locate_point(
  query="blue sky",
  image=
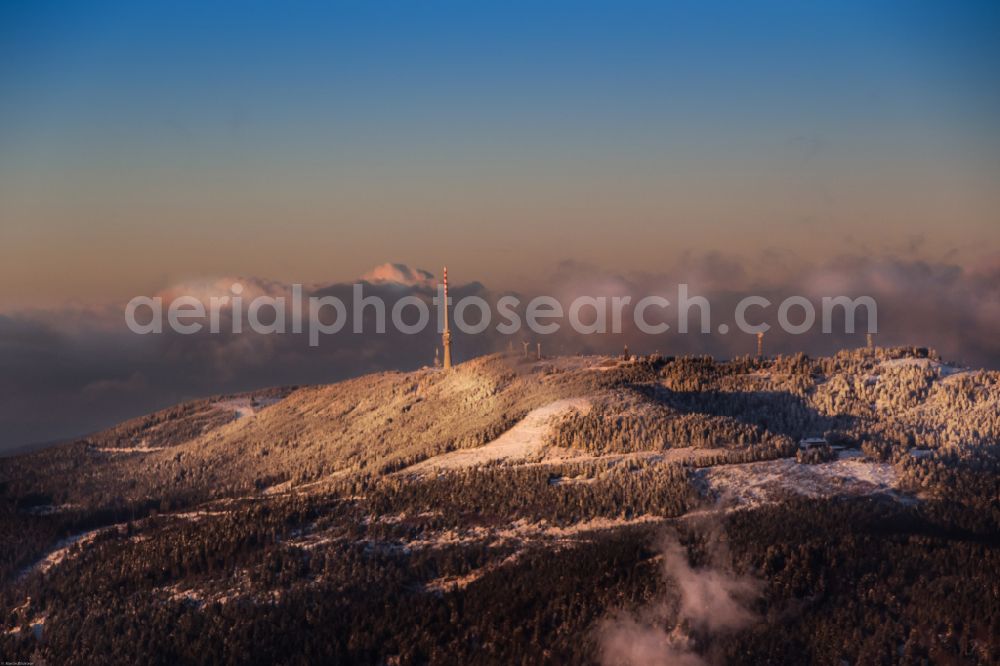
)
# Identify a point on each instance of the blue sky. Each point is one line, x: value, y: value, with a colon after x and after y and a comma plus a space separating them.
x: 494, y: 68
x: 196, y: 119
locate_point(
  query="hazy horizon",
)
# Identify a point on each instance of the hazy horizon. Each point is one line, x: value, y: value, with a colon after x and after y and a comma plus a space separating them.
x: 532, y: 147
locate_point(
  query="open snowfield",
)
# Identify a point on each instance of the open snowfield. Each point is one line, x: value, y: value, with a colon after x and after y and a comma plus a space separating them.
x: 522, y: 443
x: 751, y: 484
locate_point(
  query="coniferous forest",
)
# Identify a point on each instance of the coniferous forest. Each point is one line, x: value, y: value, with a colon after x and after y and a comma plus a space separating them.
x: 642, y: 510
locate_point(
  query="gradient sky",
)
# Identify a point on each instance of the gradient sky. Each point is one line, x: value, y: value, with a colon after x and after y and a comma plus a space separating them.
x: 143, y: 143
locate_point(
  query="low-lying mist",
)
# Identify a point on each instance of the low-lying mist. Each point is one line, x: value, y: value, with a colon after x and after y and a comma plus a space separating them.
x: 701, y: 602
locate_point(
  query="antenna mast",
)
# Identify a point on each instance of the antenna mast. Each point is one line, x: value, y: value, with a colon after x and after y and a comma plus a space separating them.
x: 446, y: 335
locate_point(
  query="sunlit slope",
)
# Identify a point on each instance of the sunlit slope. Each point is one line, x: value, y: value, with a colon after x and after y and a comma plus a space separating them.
x: 737, y: 411
x: 372, y: 424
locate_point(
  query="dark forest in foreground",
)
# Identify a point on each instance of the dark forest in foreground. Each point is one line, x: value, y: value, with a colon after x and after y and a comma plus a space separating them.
x: 661, y: 515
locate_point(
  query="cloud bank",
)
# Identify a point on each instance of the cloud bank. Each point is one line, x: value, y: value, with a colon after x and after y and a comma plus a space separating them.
x: 67, y: 372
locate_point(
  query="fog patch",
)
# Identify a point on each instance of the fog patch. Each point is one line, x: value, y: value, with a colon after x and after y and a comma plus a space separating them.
x: 703, y: 602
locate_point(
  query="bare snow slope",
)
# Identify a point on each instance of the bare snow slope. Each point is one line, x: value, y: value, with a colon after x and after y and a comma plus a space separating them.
x: 757, y: 483
x: 522, y: 443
